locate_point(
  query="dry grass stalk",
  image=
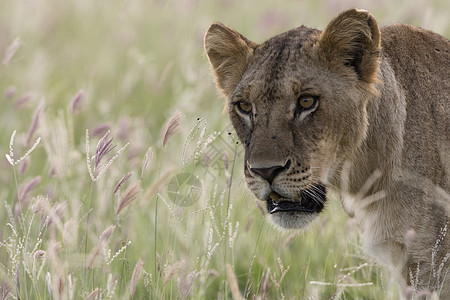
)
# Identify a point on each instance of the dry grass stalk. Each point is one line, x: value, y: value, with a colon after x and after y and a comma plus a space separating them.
x: 186, y: 284
x: 93, y: 294
x: 118, y: 252
x: 104, y: 237
x: 265, y: 285
x: 106, y: 234
x: 283, y: 273
x: 48, y: 281
x: 23, y: 196
x: 11, y: 50
x: 10, y: 156
x: 156, y: 185
x: 172, y: 270
x: 41, y: 205
x: 172, y: 127
x: 233, y: 282
x: 110, y: 287
x: 96, y: 164
x: 70, y: 286
x: 136, y: 275
x: 148, y: 155
x: 93, y: 256
x: 5, y: 290
x: 69, y: 235
x: 51, y: 214
x: 55, y: 215
x: 131, y: 194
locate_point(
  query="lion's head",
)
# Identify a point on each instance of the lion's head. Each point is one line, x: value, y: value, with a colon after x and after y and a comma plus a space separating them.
x: 298, y: 104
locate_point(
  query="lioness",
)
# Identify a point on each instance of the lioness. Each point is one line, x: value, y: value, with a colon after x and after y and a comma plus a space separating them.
x: 354, y: 109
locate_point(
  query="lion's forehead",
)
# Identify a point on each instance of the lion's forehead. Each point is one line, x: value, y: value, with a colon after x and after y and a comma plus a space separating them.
x: 293, y: 39
x: 283, y: 83
x: 282, y: 48
x: 281, y: 69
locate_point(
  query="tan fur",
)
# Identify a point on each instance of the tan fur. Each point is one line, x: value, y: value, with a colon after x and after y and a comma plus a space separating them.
x: 379, y: 131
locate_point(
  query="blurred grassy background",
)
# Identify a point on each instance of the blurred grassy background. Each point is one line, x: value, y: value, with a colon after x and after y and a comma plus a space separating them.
x: 133, y: 64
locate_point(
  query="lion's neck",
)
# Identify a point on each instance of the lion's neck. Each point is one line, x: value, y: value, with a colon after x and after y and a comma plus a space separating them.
x: 381, y: 151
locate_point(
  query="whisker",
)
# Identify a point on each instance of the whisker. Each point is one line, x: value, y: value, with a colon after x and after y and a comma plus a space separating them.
x: 317, y: 179
x: 314, y: 196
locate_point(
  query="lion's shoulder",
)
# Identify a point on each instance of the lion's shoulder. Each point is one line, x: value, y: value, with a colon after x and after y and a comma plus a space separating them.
x: 411, y: 48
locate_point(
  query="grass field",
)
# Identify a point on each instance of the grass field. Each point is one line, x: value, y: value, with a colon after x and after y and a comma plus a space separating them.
x: 158, y: 207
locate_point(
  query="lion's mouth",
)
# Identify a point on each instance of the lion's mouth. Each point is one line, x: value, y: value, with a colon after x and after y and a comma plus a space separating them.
x: 311, y: 200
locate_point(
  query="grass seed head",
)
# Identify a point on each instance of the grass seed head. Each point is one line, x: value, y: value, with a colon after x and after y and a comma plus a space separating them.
x: 110, y: 286
x: 172, y: 271
x: 93, y: 256
x: 122, y: 182
x: 10, y: 156
x: 5, y: 290
x: 233, y: 282
x: 106, y: 234
x: 136, y: 275
x: 186, y: 284
x: 172, y: 127
x: 23, y: 196
x: 11, y: 50
x: 10, y: 92
x: 39, y: 254
x: 35, y: 122
x: 147, y: 157
x: 75, y: 106
x: 131, y: 194
x: 93, y: 294
x: 101, y: 129
x: 98, y: 164
x: 23, y: 101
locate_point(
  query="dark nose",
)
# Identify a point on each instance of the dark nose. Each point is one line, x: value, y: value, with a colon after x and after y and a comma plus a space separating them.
x: 270, y: 173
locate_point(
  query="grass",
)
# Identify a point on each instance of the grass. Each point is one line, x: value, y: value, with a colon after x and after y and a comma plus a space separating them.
x: 127, y: 67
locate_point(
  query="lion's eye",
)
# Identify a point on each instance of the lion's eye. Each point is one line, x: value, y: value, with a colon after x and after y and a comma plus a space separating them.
x: 306, y: 102
x: 244, y: 107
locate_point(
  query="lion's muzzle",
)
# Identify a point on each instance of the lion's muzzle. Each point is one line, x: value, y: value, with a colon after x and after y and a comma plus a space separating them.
x: 311, y: 200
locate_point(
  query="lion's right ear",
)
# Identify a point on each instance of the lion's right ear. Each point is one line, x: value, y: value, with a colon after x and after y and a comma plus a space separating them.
x: 352, y: 39
x: 229, y: 54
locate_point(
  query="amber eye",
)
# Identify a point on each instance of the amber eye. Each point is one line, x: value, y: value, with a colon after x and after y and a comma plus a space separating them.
x: 244, y: 107
x: 306, y: 102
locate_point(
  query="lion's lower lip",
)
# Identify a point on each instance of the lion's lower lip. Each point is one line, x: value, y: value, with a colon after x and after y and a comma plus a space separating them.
x: 312, y: 201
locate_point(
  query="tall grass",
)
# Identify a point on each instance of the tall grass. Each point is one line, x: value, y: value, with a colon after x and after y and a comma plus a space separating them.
x: 117, y: 213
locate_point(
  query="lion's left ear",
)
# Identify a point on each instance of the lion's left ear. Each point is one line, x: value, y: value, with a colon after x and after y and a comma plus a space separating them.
x: 352, y: 39
x: 229, y: 53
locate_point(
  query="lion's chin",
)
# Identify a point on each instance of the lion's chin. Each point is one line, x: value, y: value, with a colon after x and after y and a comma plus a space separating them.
x: 292, y: 220
x: 289, y: 214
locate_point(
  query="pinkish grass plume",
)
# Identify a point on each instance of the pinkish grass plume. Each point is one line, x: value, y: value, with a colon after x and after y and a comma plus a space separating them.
x: 172, y: 127
x: 35, y: 121
x: 122, y: 182
x: 11, y: 50
x: 136, y: 275
x: 75, y: 105
x: 131, y: 194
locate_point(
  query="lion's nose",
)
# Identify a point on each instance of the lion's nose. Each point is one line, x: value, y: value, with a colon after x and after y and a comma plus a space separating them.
x: 269, y: 173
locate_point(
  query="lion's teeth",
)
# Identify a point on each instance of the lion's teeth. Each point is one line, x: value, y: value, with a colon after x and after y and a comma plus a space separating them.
x: 275, y: 197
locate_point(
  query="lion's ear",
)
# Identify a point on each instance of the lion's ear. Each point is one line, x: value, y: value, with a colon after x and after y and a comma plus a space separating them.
x: 352, y: 39
x: 229, y: 53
